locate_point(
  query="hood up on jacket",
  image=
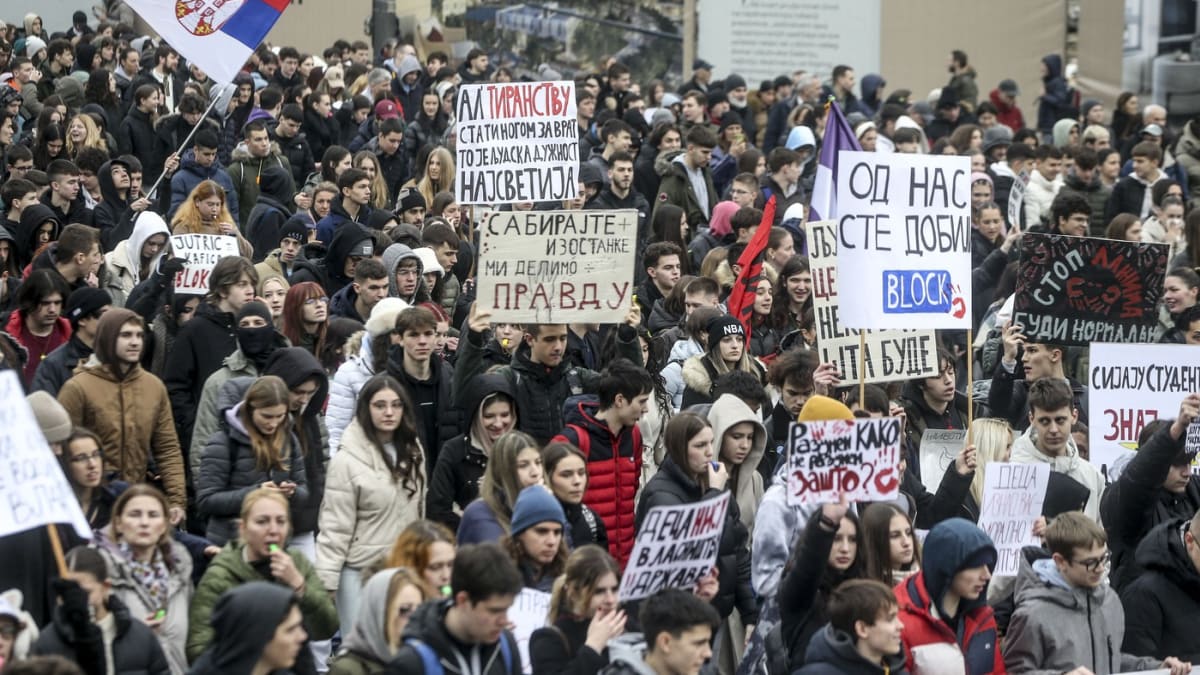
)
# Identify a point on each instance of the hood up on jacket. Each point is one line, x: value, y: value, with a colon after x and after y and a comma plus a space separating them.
x: 1163, y: 551
x: 147, y: 225
x: 347, y: 239
x: 109, y: 194
x: 31, y: 219
x: 295, y: 366
x: 1062, y: 132
x: 719, y: 225
x: 951, y: 546
x: 369, y: 636
x: 1054, y: 67
x: 392, y: 257
x: 409, y: 64
x: 276, y: 184
x: 727, y: 412
x: 244, y: 622
x: 871, y: 84
x: 108, y: 329
x: 481, y: 391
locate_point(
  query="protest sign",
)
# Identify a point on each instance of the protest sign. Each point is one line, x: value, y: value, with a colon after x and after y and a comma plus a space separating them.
x: 1016, y: 199
x: 676, y: 546
x: 1080, y: 290
x: 858, y: 458
x: 557, y: 266
x: 516, y: 142
x: 904, y: 233
x: 1012, y: 501
x: 889, y: 354
x: 1192, y: 444
x: 1130, y: 386
x: 201, y: 251
x: 33, y: 489
x: 939, y: 449
x: 529, y: 612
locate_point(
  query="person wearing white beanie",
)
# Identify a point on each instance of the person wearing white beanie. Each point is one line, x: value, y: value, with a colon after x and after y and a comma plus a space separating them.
x: 360, y: 366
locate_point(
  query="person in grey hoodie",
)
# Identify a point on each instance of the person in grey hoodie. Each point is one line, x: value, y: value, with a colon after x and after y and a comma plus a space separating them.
x: 407, y: 88
x: 1066, y: 615
x: 402, y: 282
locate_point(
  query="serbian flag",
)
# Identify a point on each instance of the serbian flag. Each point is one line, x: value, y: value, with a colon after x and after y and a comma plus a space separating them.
x: 741, y: 297
x: 216, y: 35
x: 838, y: 136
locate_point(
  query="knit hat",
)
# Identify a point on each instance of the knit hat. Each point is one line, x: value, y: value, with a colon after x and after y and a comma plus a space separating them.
x: 429, y: 261
x: 996, y: 136
x: 722, y: 326
x: 253, y: 308
x: 730, y: 119
x: 410, y: 198
x: 822, y: 408
x: 734, y: 81
x: 294, y: 228
x: 536, y: 505
x: 52, y: 418
x: 33, y: 45
x: 981, y: 177
x: 84, y: 302
x: 1009, y: 88
x: 383, y: 316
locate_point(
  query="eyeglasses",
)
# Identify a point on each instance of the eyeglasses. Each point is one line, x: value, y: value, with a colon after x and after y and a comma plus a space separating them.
x: 94, y: 456
x: 312, y: 301
x: 1095, y: 564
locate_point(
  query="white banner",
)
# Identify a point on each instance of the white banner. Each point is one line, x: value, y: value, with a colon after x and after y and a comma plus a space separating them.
x: 676, y: 546
x: 530, y: 611
x: 33, y: 489
x: 516, y: 142
x: 939, y: 449
x: 201, y: 251
x: 1012, y: 501
x: 904, y: 232
x: 858, y: 458
x: 557, y: 266
x: 889, y: 354
x: 1131, y: 385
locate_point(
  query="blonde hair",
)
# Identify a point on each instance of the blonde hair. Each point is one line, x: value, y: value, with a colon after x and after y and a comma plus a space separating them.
x: 93, y: 139
x: 428, y: 188
x: 992, y: 437
x: 500, y: 488
x: 402, y: 577
x: 265, y: 494
x: 379, y: 187
x: 188, y: 220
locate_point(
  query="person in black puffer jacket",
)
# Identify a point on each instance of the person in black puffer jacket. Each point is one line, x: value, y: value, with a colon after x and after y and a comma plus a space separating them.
x: 204, y: 341
x: 678, y: 483
x: 1162, y: 606
x: 567, y: 478
x: 492, y: 409
x: 270, y: 212
x: 88, y: 613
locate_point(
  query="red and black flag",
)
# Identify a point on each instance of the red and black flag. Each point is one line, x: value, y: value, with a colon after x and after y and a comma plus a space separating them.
x: 741, y: 298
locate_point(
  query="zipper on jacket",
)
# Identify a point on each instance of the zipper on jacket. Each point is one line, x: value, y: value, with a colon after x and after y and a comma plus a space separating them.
x: 1091, y: 630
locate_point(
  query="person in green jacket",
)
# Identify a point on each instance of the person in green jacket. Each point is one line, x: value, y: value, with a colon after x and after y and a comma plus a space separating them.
x: 259, y: 555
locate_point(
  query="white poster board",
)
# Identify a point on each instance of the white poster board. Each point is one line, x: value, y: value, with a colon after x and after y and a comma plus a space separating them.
x: 889, y: 354
x: 1016, y: 199
x: 201, y: 251
x: 676, y: 546
x: 530, y: 611
x: 1012, y: 500
x: 1129, y: 386
x: 939, y: 449
x: 557, y: 266
x: 33, y: 489
x: 516, y: 142
x: 904, y: 233
x: 858, y: 458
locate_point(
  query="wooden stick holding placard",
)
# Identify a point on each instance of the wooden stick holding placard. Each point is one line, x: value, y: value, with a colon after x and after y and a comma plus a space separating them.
x: 862, y: 371
x: 56, y: 546
x: 970, y: 383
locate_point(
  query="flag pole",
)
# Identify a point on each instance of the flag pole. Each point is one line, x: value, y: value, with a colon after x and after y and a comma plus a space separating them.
x: 862, y: 370
x: 203, y: 116
x: 56, y: 546
x: 970, y: 382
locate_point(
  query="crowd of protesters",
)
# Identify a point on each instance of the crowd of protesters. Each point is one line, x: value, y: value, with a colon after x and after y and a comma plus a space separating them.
x: 333, y: 459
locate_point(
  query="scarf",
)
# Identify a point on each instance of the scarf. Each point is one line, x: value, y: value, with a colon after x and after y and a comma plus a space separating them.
x: 152, y: 576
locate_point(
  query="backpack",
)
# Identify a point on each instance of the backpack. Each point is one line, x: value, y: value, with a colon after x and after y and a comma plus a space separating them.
x: 433, y: 665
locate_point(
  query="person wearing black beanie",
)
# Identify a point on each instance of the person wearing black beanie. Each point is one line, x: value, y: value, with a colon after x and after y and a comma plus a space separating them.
x: 727, y: 351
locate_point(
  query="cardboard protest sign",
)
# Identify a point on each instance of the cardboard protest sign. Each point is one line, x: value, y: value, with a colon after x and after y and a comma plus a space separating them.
x: 557, y: 266
x: 1080, y: 290
x: 858, y: 458
x: 676, y: 546
x: 904, y: 234
x: 889, y: 354
x: 1016, y: 199
x: 516, y: 142
x: 939, y: 449
x: 529, y: 612
x: 1192, y: 443
x: 33, y: 489
x: 1012, y: 500
x: 201, y: 251
x: 1130, y: 386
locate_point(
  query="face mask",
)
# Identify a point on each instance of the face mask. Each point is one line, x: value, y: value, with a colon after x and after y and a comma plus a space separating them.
x: 256, y: 342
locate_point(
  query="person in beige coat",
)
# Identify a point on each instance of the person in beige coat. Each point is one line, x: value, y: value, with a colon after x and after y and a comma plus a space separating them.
x: 375, y: 487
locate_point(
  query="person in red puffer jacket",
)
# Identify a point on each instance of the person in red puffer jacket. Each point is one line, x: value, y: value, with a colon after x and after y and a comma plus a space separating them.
x: 607, y: 433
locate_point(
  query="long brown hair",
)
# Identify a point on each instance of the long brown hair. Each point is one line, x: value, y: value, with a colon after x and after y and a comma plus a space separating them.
x: 500, y: 488
x: 408, y: 467
x: 573, y: 590
x: 875, y: 543
x: 270, y: 452
x: 682, y: 428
